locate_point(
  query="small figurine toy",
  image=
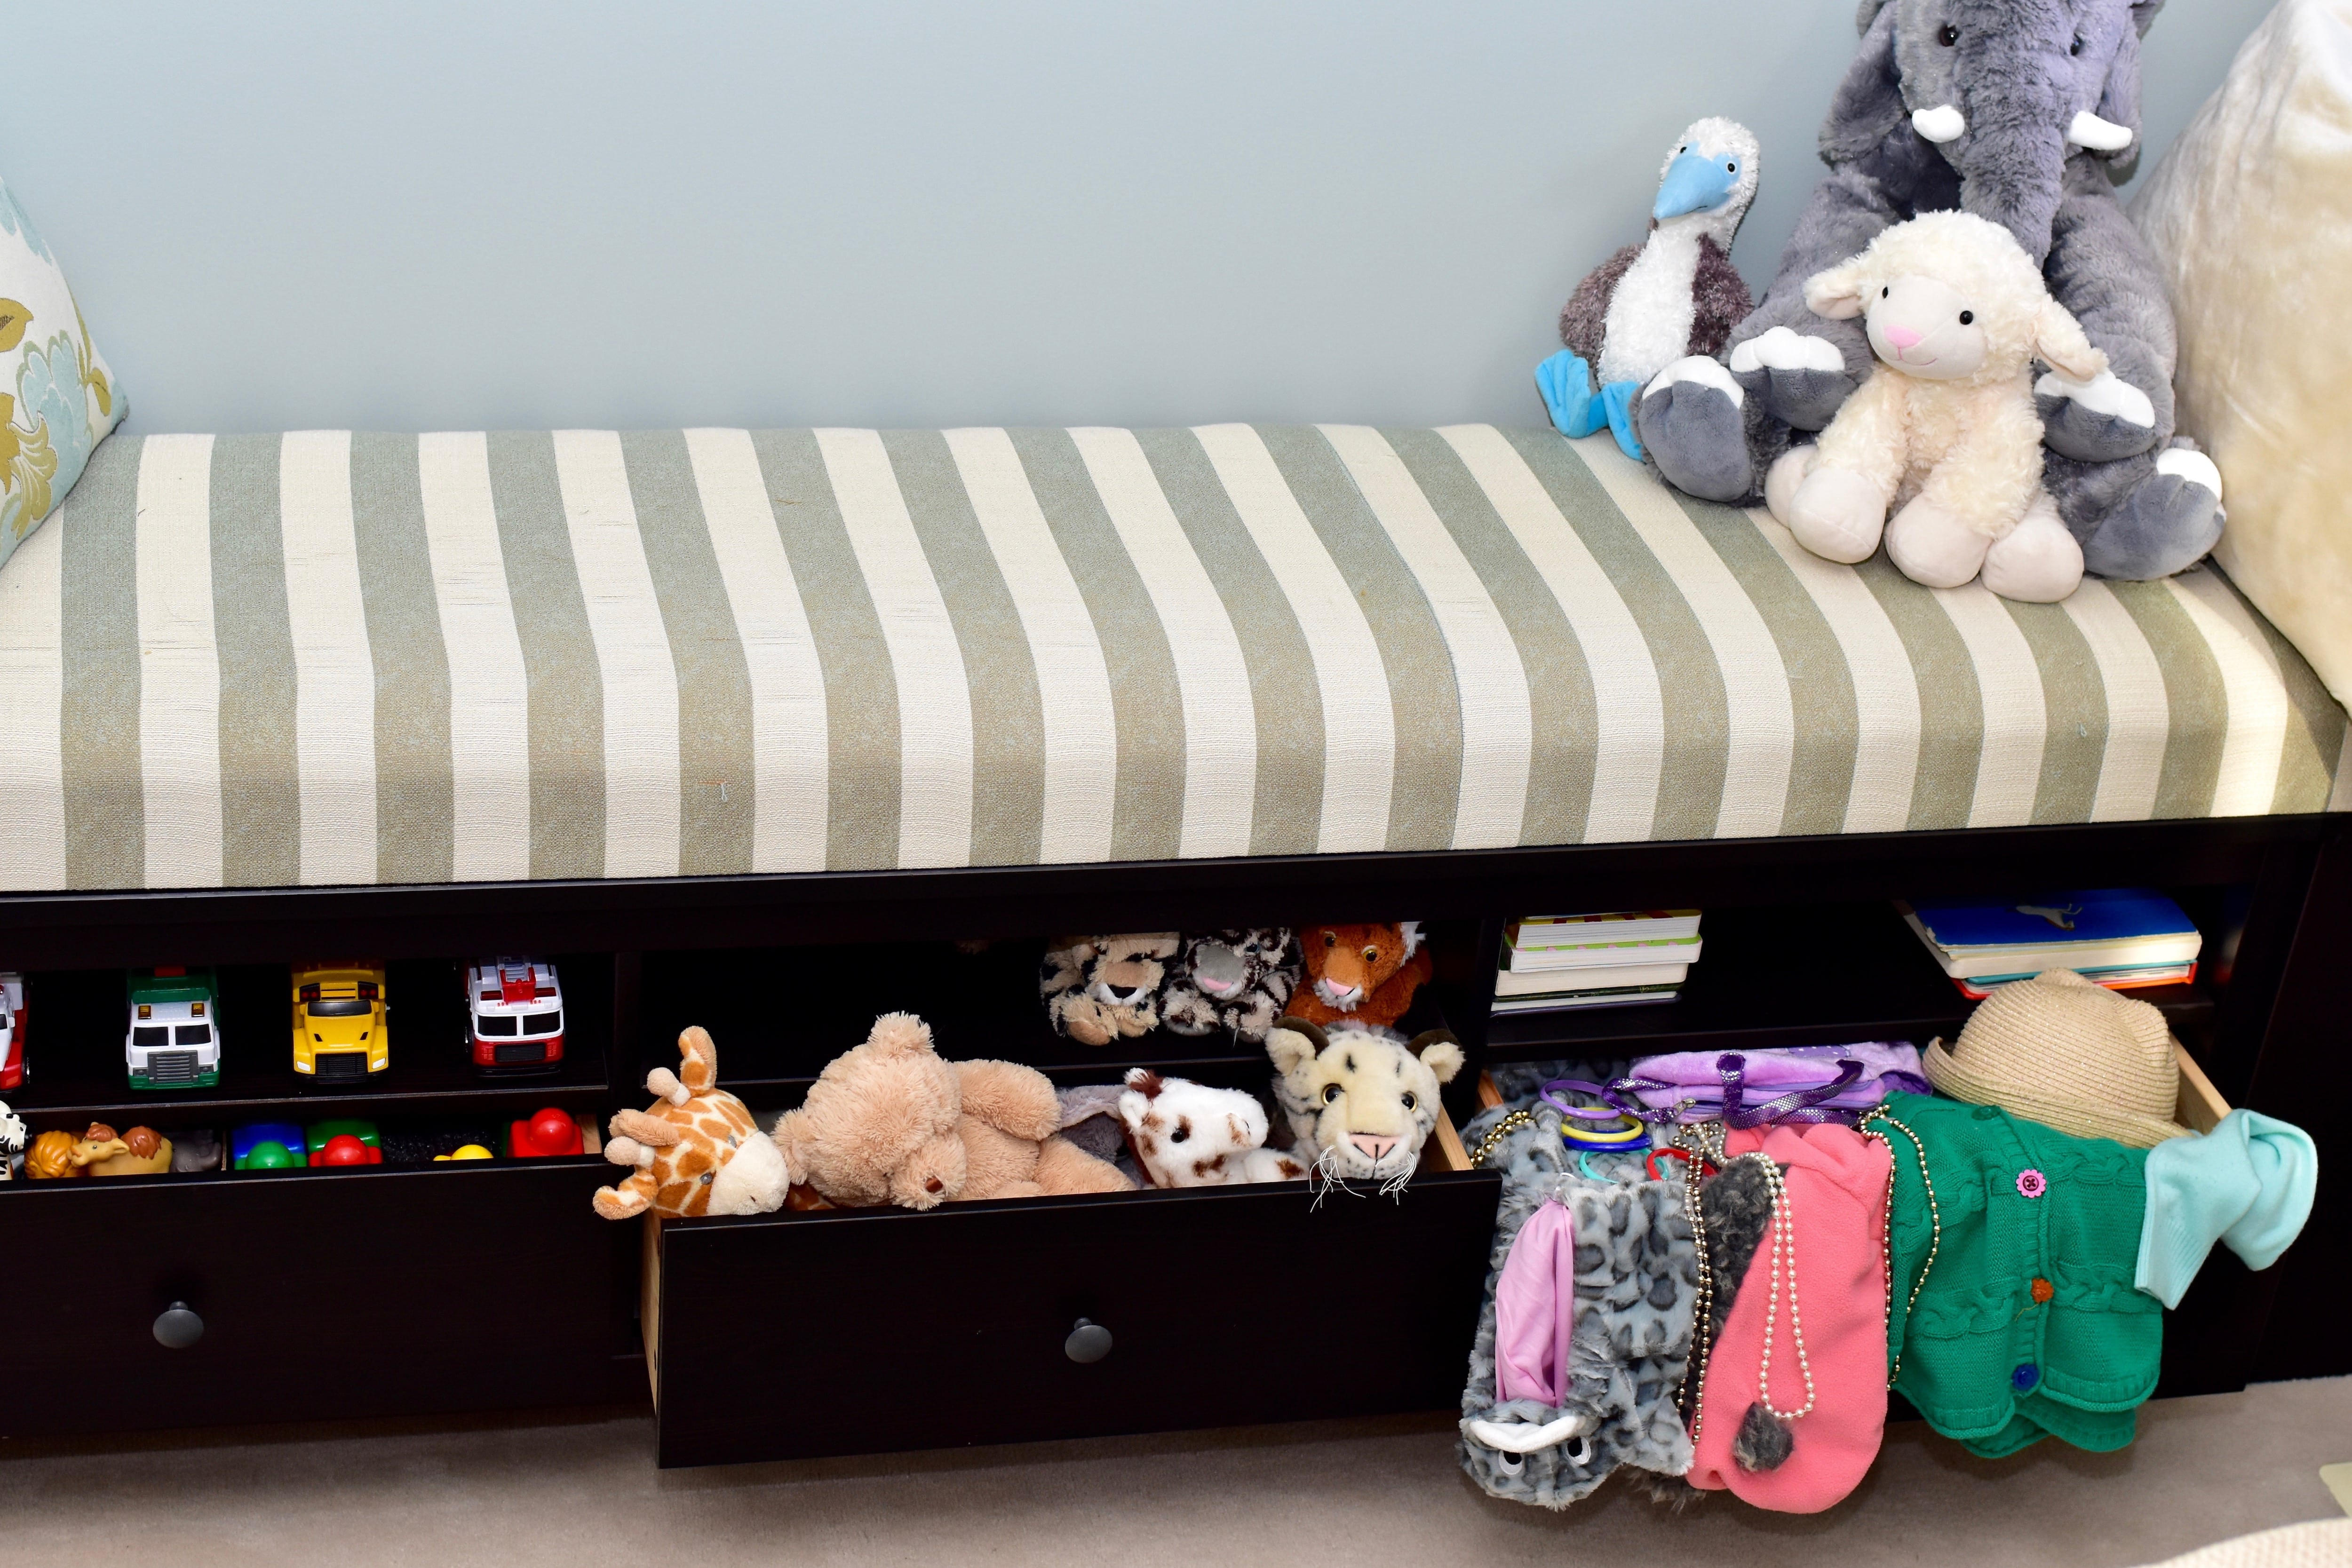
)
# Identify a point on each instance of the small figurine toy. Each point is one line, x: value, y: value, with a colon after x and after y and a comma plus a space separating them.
x: 344, y: 1142
x: 12, y: 1141
x: 514, y: 1011
x: 342, y: 1022
x: 11, y: 1029
x: 173, y: 1040
x: 545, y: 1136
x: 267, y: 1146
x: 145, y: 1153
x: 60, y: 1156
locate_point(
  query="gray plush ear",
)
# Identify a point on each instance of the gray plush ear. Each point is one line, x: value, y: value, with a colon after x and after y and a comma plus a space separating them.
x: 1868, y: 103
x: 2143, y: 13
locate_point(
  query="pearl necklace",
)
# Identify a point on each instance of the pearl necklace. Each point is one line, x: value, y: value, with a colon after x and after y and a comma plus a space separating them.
x: 1784, y: 1235
x: 1886, y: 1233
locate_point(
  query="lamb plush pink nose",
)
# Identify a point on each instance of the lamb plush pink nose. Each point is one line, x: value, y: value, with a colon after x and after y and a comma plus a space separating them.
x: 1904, y: 339
x: 1372, y: 1148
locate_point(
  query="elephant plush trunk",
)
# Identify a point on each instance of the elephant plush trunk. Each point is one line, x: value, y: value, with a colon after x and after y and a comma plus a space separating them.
x: 2018, y: 96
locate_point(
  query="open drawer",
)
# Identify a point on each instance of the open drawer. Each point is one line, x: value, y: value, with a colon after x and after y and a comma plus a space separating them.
x: 320, y: 1295
x: 862, y: 1331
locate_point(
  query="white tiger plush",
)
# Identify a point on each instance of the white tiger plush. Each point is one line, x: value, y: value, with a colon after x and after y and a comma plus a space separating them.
x: 1236, y: 980
x: 1362, y: 1101
x: 1186, y: 1135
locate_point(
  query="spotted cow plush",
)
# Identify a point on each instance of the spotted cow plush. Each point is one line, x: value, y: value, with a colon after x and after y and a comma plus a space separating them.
x: 1361, y: 1102
x: 1187, y: 1134
x: 1237, y: 980
x: 695, y: 1150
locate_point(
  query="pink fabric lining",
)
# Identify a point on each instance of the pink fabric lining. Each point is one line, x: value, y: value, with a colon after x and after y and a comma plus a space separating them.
x: 1535, y: 1309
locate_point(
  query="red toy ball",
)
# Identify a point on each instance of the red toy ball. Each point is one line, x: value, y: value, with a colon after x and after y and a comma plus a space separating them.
x: 550, y: 1133
x: 343, y: 1150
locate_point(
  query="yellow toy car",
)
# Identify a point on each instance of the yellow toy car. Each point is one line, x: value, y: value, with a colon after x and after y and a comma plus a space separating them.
x: 339, y: 1029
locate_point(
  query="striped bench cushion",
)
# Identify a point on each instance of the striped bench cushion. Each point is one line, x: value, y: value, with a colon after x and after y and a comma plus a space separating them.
x: 326, y: 657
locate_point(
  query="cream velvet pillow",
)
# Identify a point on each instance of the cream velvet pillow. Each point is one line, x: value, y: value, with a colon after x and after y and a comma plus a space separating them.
x: 2249, y: 215
x: 57, y: 399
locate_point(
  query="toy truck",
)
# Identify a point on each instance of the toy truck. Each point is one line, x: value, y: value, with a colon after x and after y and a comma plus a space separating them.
x: 340, y: 1031
x: 173, y: 1038
x: 11, y: 1029
x: 514, y: 1015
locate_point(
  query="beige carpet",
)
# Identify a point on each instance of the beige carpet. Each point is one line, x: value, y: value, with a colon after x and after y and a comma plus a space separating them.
x: 1365, y: 1495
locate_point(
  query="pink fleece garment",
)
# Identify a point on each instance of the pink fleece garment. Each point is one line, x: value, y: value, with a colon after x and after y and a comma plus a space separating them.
x: 1535, y: 1309
x: 1837, y: 1192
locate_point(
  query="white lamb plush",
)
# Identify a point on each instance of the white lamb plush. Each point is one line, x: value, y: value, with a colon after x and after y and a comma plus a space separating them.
x: 1944, y: 430
x: 1186, y: 1135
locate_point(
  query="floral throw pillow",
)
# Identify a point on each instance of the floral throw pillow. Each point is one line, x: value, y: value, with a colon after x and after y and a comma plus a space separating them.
x: 57, y: 399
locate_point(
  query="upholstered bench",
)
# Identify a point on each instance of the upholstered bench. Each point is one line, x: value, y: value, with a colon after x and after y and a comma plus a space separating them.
x: 739, y: 727
x: 330, y: 659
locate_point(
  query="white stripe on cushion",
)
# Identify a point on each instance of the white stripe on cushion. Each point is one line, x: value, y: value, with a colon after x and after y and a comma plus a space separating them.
x: 2139, y: 716
x: 32, y: 708
x: 633, y: 655
x: 2016, y: 716
x: 1358, y: 710
x: 1886, y: 717
x: 2255, y: 742
x: 334, y: 669
x: 1760, y: 739
x: 934, y: 744
x: 790, y: 748
x: 1630, y: 714
x: 1489, y: 681
x: 1080, y: 723
x: 1211, y: 674
x: 179, y: 664
x: 489, y: 687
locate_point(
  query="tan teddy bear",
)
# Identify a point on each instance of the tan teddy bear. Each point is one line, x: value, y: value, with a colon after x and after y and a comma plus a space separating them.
x: 890, y: 1122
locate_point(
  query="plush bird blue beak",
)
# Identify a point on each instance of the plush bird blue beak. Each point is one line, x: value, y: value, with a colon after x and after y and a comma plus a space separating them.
x: 1695, y: 183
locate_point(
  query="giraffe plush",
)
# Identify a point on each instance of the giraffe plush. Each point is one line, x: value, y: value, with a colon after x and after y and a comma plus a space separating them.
x: 695, y: 1150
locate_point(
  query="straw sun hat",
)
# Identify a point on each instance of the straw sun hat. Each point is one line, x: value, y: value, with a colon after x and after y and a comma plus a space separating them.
x: 2070, y: 1054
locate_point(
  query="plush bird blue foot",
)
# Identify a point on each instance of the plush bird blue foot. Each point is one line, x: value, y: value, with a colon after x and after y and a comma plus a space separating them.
x: 1577, y: 410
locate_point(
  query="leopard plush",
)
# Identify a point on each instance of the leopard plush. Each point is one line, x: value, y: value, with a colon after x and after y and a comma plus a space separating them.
x: 1099, y: 988
x: 1360, y: 1102
x: 1363, y: 974
x: 695, y: 1150
x: 1235, y: 980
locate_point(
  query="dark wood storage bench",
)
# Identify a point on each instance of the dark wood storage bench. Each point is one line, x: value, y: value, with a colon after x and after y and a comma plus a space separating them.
x: 772, y: 731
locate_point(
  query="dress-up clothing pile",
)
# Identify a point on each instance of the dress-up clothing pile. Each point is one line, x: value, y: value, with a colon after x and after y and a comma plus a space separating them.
x: 2008, y: 1279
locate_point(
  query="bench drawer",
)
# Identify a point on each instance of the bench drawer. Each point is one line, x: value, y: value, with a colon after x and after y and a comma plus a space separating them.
x: 322, y: 1296
x: 867, y: 1331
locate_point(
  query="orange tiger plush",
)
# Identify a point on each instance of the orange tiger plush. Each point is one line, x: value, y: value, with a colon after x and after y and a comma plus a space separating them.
x: 1360, y: 973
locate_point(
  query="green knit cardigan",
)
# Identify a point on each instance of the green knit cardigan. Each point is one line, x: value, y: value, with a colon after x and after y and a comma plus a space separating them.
x: 2028, y: 1325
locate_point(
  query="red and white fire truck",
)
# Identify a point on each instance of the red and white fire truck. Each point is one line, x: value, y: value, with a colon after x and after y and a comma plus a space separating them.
x: 514, y: 1014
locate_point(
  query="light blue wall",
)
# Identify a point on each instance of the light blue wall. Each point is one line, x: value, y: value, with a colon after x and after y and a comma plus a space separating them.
x: 453, y: 213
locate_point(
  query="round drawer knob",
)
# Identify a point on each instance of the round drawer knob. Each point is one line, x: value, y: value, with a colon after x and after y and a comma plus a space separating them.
x: 1088, y: 1341
x: 178, y: 1327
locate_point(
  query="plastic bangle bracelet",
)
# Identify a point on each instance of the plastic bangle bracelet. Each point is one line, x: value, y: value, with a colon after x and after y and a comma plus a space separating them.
x: 1584, y: 1163
x: 1633, y: 1133
x: 1581, y: 1112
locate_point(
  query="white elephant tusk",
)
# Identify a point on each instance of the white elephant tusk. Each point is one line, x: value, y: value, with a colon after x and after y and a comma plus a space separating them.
x: 1940, y: 124
x: 2087, y: 129
x: 1527, y: 1436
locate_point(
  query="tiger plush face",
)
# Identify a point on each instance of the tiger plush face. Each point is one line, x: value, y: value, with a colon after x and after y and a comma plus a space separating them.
x: 1362, y: 1101
x: 1098, y: 988
x: 1348, y: 962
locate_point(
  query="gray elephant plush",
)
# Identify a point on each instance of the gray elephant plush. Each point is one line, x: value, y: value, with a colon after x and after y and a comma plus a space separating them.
x: 2010, y: 109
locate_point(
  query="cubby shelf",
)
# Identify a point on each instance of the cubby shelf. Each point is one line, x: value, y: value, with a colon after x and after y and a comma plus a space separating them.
x: 1815, y: 974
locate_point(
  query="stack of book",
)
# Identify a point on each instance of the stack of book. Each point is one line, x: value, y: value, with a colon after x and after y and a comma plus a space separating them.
x: 2120, y: 937
x: 1616, y: 959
